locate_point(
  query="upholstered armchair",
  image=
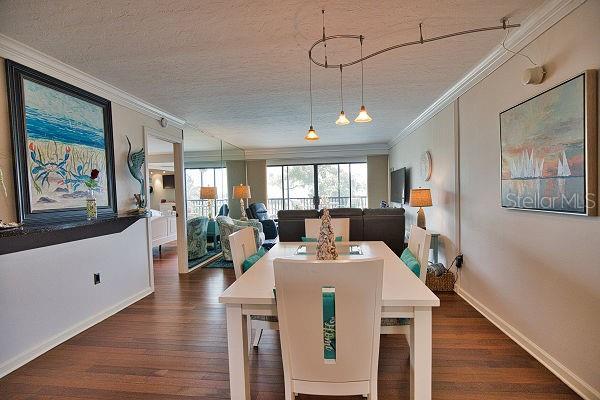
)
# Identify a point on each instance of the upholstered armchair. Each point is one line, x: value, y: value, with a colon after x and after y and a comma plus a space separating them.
x: 259, y: 211
x: 228, y: 225
x: 196, y: 237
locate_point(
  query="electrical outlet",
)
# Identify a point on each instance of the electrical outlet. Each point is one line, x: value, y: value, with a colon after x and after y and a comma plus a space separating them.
x: 459, y: 261
x: 96, y: 278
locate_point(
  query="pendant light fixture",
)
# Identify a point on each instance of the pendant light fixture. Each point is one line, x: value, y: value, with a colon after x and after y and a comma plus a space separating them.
x: 311, y: 134
x: 342, y: 120
x: 362, y: 116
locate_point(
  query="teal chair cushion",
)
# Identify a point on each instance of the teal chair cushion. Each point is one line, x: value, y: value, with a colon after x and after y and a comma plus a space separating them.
x: 312, y: 239
x: 250, y: 261
x: 411, y: 262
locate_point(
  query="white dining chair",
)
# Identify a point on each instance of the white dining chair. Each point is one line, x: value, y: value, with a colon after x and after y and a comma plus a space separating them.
x: 243, y: 245
x: 419, y: 243
x: 300, y: 287
x: 341, y: 227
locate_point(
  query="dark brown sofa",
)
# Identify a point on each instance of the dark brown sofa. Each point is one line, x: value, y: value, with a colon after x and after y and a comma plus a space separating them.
x: 385, y: 224
x: 356, y: 220
x: 291, y: 223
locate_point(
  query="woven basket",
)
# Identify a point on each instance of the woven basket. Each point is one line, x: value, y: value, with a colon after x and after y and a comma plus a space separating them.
x: 443, y: 283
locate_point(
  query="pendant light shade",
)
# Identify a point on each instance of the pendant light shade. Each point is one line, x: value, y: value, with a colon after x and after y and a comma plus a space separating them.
x: 342, y: 120
x: 363, y: 116
x: 311, y: 134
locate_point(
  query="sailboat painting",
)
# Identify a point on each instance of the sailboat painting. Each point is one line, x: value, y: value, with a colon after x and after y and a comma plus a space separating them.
x: 543, y: 148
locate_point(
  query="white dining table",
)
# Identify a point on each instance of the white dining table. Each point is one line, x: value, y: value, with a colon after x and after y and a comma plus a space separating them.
x: 403, y: 296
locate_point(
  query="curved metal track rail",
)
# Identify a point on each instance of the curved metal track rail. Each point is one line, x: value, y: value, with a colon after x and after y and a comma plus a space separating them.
x: 504, y: 26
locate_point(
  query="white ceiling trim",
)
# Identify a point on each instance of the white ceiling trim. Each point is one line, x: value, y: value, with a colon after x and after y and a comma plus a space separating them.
x: 533, y: 26
x: 14, y: 50
x: 321, y: 152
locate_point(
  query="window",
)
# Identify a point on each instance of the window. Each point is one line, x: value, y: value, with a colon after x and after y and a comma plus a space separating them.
x: 303, y: 187
x: 195, y: 178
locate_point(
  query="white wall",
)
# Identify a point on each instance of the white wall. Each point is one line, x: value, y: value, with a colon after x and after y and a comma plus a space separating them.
x: 539, y: 272
x: 438, y: 137
x: 536, y: 275
x: 377, y: 179
x: 47, y: 295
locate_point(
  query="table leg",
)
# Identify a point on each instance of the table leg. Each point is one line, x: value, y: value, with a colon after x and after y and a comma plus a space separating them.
x: 420, y: 355
x: 237, y: 347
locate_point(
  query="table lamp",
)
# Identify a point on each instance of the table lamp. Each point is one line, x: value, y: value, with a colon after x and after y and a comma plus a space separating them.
x: 242, y: 192
x: 420, y: 198
x: 208, y: 193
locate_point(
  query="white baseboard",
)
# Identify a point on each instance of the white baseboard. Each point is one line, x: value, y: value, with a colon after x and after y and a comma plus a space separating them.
x: 18, y: 361
x: 556, y: 367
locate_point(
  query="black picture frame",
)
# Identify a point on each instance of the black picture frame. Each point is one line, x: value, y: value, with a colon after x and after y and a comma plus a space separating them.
x: 15, y: 75
x: 587, y: 205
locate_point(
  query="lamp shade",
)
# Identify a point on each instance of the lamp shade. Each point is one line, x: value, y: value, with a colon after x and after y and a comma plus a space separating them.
x: 208, y: 192
x: 241, y: 192
x: 420, y: 198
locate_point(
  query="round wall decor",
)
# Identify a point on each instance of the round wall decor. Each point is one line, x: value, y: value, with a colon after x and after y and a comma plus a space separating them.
x: 426, y: 166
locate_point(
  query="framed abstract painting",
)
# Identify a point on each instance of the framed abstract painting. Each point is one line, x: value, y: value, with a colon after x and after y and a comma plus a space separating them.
x: 61, y: 134
x: 549, y: 149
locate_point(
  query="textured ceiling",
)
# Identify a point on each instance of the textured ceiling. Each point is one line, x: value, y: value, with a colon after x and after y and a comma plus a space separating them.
x: 239, y: 69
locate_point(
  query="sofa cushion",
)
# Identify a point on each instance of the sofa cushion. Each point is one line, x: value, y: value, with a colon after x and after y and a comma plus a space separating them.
x: 385, y: 224
x: 355, y: 215
x: 383, y: 211
x: 291, y: 223
x: 344, y: 212
x: 297, y: 214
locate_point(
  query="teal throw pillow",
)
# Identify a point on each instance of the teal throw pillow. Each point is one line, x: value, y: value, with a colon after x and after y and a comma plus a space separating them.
x: 250, y: 261
x: 411, y: 262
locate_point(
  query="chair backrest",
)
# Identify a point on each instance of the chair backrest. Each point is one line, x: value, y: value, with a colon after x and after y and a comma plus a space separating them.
x: 242, y: 246
x: 419, y: 244
x: 259, y: 211
x: 356, y: 284
x: 341, y: 227
x: 224, y: 210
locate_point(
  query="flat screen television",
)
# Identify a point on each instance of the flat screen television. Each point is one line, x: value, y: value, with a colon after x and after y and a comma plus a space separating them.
x: 399, y: 191
x: 168, y: 181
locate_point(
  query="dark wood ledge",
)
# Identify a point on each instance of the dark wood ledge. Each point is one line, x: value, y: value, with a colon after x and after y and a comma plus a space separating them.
x: 34, y: 236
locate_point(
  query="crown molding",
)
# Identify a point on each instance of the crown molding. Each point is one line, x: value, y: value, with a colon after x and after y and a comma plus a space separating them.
x: 26, y: 55
x: 318, y: 152
x: 543, y: 18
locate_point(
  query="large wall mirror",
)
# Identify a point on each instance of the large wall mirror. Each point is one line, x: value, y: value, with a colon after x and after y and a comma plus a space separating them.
x: 212, y: 167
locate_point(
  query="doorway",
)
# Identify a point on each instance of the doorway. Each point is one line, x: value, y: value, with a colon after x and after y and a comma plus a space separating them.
x: 165, y: 197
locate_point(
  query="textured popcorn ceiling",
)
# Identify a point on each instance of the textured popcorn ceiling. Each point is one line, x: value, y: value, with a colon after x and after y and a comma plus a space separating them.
x: 239, y: 69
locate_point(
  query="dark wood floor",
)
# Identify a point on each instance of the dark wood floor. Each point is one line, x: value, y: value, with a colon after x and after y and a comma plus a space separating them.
x: 172, y: 345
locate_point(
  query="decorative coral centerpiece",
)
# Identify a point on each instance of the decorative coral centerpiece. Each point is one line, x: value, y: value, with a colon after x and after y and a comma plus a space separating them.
x: 326, y: 249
